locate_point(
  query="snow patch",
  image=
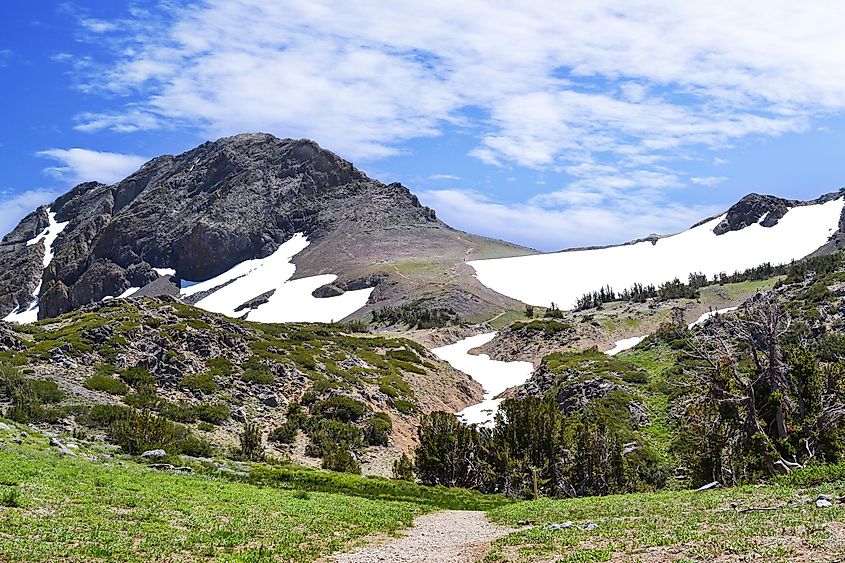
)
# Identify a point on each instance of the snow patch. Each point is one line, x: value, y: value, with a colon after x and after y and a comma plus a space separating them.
x: 165, y: 272
x: 48, y: 236
x: 625, y: 344
x: 562, y: 277
x: 493, y: 375
x: 709, y: 315
x: 127, y: 293
x: 291, y: 301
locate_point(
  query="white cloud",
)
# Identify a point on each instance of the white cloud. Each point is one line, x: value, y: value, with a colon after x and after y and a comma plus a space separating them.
x: 443, y: 177
x: 14, y: 207
x: 556, y: 82
x: 533, y: 225
x: 707, y: 180
x: 84, y: 165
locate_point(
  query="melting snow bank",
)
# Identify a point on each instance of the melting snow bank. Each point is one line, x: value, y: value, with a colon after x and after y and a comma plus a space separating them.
x: 493, y: 375
x: 710, y: 314
x: 562, y: 277
x: 48, y: 236
x: 288, y: 301
x: 625, y: 344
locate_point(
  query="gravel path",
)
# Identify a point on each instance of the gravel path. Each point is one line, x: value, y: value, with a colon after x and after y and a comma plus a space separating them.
x: 451, y: 536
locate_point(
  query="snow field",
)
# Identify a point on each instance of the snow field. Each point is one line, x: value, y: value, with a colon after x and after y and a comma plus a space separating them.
x: 562, y: 277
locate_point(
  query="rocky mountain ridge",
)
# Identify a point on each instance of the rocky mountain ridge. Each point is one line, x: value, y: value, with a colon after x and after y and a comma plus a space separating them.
x: 239, y: 198
x: 190, y: 217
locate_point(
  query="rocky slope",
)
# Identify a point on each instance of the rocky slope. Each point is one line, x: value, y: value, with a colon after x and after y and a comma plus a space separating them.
x: 198, y: 214
x: 175, y: 359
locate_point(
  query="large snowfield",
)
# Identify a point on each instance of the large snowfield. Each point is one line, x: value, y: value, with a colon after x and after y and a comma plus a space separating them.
x: 48, y: 236
x: 493, y: 375
x: 291, y: 301
x: 563, y: 277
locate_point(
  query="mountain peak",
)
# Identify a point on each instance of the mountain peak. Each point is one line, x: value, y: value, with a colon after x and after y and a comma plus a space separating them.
x: 202, y: 212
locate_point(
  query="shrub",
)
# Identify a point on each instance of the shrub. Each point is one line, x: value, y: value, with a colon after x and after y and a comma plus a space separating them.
x: 136, y: 432
x: 286, y: 433
x: 326, y: 434
x: 144, y: 397
x: 137, y: 376
x: 340, y: 408
x: 296, y: 414
x: 107, y: 384
x: 252, y: 446
x: 46, y: 391
x: 103, y: 415
x: 377, y: 430
x: 214, y: 413
x: 257, y: 373
x: 340, y: 459
x: 403, y: 355
x: 179, y: 412
x: 194, y: 446
x: 219, y: 366
x: 200, y: 382
x: 405, y: 407
x: 403, y: 468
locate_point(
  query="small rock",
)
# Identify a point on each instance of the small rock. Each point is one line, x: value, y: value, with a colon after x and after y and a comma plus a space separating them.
x: 72, y: 446
x: 824, y: 497
x: 183, y: 469
x: 5, y: 427
x: 269, y: 399
x: 154, y: 454
x: 561, y: 526
x: 239, y: 415
x: 709, y: 486
x: 821, y: 503
x: 589, y: 526
x: 55, y: 442
x: 161, y: 466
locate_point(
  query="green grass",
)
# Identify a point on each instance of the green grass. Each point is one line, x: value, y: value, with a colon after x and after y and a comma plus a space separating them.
x: 735, y: 291
x: 69, y: 509
x: 679, y: 526
x: 376, y: 488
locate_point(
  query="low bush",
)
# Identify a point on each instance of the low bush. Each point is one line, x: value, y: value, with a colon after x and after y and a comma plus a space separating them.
x: 200, y: 382
x: 340, y: 408
x: 106, y: 384
x: 377, y: 429
x: 286, y: 433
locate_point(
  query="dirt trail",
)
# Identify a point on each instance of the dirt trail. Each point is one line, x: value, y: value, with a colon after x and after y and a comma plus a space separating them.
x: 451, y: 536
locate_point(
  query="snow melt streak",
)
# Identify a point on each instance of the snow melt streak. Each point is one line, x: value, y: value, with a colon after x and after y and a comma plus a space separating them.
x: 494, y: 376
x: 48, y: 236
x: 291, y: 301
x: 562, y: 277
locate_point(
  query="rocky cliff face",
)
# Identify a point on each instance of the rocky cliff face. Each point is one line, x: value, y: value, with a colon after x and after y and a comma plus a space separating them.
x: 766, y: 210
x: 206, y: 210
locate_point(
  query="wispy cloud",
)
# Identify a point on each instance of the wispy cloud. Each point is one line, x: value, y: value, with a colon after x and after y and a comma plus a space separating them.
x: 84, y: 165
x: 14, y: 207
x: 586, y: 223
x: 707, y: 180
x: 443, y: 177
x: 555, y: 82
x: 5, y: 57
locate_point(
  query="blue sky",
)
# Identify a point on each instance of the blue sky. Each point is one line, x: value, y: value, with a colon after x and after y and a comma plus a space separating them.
x: 548, y: 125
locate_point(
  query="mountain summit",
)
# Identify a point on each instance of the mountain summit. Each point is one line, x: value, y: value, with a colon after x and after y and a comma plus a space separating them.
x: 196, y: 216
